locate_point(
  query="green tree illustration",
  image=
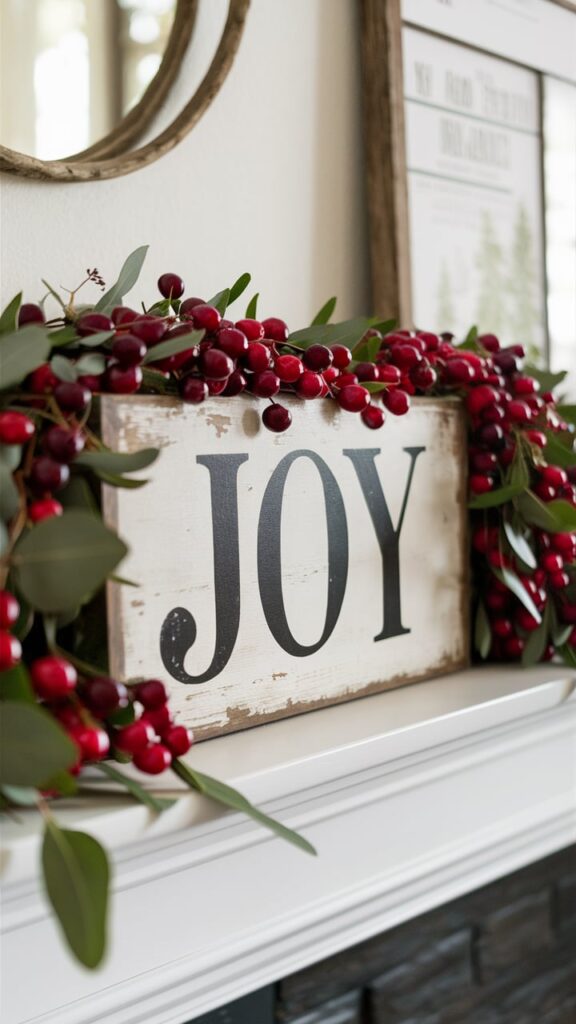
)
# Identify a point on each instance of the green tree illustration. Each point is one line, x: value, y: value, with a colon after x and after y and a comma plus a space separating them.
x: 491, y: 309
x: 522, y: 281
x: 445, y: 317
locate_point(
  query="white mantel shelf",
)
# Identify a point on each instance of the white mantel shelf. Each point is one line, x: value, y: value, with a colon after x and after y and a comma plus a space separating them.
x: 411, y: 797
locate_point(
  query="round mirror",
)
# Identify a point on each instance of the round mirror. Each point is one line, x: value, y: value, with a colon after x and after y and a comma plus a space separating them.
x: 82, y: 80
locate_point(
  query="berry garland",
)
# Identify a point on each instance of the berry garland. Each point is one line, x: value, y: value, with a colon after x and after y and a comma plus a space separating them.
x: 60, y: 710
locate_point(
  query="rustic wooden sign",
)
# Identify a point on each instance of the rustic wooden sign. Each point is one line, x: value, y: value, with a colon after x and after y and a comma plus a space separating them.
x: 280, y: 573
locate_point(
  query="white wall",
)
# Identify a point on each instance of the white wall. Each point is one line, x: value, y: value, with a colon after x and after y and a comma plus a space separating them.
x: 270, y: 180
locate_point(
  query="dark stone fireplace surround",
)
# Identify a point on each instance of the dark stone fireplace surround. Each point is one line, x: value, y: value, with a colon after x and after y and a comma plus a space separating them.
x: 504, y: 954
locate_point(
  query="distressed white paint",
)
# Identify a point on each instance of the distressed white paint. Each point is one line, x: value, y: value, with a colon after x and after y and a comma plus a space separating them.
x: 169, y: 527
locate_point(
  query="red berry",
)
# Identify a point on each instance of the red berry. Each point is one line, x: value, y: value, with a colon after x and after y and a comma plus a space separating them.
x: 276, y: 418
x: 122, y: 381
x: 93, y: 323
x: 565, y: 543
x: 178, y: 739
x: 483, y: 462
x: 317, y: 358
x: 93, y: 743
x: 353, y: 398
x: 217, y: 387
x: 235, y: 384
x: 44, y: 509
x: 310, y: 385
x: 423, y: 376
x: 53, y: 677
x: 128, y: 350
x: 367, y: 371
x: 63, y: 444
x: 43, y: 380
x: 149, y: 328
x: 405, y: 356
x: 275, y: 329
x: 215, y: 364
x: 431, y: 341
x: 103, y: 696
x: 15, y: 428
x: 552, y: 562
x: 345, y: 379
x: 341, y: 355
x: 93, y: 381
x: 171, y: 286
x: 10, y: 650
x: 9, y: 610
x: 502, y: 628
x: 151, y: 694
x: 480, y: 397
x: 160, y: 718
x: 189, y: 305
x: 545, y: 491
x: 153, y: 759
x: 373, y: 416
x: 537, y: 437
x: 518, y: 411
x: 48, y: 475
x: 489, y: 342
x: 72, y: 396
x: 122, y: 315
x: 331, y: 374
x: 266, y: 384
x: 233, y: 342
x: 288, y: 368
x: 397, y: 401
x: 30, y: 313
x: 524, y: 385
x: 514, y: 646
x: 135, y: 736
x: 206, y: 318
x: 253, y: 329
x: 480, y: 483
x: 559, y: 580
x: 257, y: 357
x: 484, y: 538
x: 389, y: 374
x: 194, y: 390
x: 554, y: 476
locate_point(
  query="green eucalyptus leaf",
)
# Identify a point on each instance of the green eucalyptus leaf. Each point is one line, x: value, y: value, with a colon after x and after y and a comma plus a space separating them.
x: 64, y: 336
x: 568, y: 655
x: 77, y: 494
x: 127, y: 279
x: 385, y: 326
x: 54, y: 293
x: 4, y: 536
x: 33, y: 746
x: 519, y: 475
x: 91, y: 363
x: 129, y: 483
x: 9, y: 496
x: 537, y: 640
x: 220, y: 301
x: 21, y: 796
x: 77, y: 878
x: 15, y: 685
x: 482, y: 632
x: 510, y: 580
x: 63, y: 783
x: 63, y: 560
x: 161, y: 308
x: 499, y: 497
x: 560, y: 634
x: 101, y: 338
x: 10, y: 456
x: 118, y: 462
x: 239, y: 287
x: 520, y: 545
x: 21, y: 353
x: 471, y: 336
x: 348, y: 333
x: 156, y: 381
x: 535, y: 512
x: 374, y: 386
x: 559, y: 454
x: 224, y: 794
x: 564, y: 515
x: 546, y: 379
x: 325, y: 314
x: 144, y: 796
x: 252, y: 307
x: 64, y: 369
x: 173, y: 347
x: 9, y: 317
x: 567, y: 412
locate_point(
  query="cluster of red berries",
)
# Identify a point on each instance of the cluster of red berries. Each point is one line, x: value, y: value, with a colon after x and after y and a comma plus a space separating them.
x: 90, y: 709
x: 48, y: 471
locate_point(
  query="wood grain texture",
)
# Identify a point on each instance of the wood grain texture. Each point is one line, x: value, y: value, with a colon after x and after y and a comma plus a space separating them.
x: 118, y: 164
x: 385, y: 154
x: 169, y: 527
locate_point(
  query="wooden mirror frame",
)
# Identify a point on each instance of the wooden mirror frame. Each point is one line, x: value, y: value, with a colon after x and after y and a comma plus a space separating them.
x: 111, y: 157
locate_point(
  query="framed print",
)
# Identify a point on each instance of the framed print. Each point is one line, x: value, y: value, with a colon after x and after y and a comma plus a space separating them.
x: 470, y: 120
